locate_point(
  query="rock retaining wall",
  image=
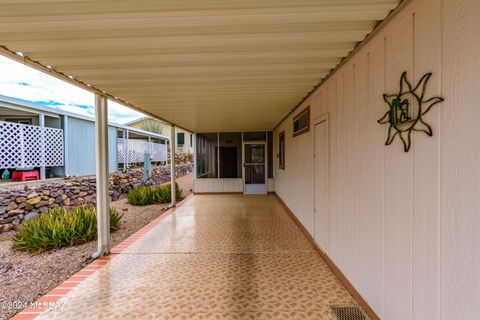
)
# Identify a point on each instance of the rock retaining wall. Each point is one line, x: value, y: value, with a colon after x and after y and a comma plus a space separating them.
x: 19, y: 203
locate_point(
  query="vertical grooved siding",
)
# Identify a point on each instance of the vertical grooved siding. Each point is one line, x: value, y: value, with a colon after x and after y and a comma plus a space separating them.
x: 403, y: 226
x: 81, y: 150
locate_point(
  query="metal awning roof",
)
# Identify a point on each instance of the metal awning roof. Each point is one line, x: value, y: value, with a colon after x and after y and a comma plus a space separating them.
x: 215, y: 65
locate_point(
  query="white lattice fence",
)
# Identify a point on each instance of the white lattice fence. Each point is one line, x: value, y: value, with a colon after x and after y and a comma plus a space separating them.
x: 54, y: 147
x: 137, y: 148
x: 121, y: 149
x: 158, y: 151
x: 24, y: 146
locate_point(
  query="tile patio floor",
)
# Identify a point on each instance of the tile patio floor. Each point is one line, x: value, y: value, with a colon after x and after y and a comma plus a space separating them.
x: 215, y: 257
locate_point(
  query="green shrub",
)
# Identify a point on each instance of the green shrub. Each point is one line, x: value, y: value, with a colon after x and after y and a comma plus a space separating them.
x: 60, y: 228
x: 178, y: 192
x: 142, y: 195
x: 160, y: 194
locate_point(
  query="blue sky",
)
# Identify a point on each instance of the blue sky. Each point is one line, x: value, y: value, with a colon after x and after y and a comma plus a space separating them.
x: 20, y: 81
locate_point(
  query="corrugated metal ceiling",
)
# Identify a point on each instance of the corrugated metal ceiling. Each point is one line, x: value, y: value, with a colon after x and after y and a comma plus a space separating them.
x: 204, y: 65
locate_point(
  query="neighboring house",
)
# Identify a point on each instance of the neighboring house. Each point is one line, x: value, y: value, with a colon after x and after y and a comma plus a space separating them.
x: 183, y: 140
x: 60, y: 143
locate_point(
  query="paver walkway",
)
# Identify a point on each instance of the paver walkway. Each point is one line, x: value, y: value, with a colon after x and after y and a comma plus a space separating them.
x: 215, y: 257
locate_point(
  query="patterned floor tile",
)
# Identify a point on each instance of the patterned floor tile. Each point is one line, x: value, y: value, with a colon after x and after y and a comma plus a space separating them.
x: 216, y: 257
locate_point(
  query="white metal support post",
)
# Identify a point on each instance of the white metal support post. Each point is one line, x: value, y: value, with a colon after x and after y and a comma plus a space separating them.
x: 195, y: 171
x: 125, y: 163
x: 101, y: 154
x: 41, y: 123
x: 218, y: 155
x: 66, y: 165
x: 172, y: 166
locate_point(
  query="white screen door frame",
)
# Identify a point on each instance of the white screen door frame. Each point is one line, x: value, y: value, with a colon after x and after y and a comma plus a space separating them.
x: 254, y: 188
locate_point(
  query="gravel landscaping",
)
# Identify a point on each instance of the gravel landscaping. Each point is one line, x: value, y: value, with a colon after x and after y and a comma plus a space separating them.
x: 25, y: 277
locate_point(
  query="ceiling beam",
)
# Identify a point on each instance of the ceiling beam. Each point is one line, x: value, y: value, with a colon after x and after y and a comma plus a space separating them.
x: 191, y: 80
x: 68, y: 11
x: 291, y: 39
x: 204, y: 71
x: 323, y: 49
x: 161, y: 30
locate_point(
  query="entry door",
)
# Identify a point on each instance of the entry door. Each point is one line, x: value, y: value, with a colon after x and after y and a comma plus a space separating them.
x: 321, y: 208
x: 254, y: 167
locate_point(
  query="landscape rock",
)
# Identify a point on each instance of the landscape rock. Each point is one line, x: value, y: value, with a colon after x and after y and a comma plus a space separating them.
x: 41, y: 204
x: 30, y: 215
x: 19, y: 203
x: 9, y: 219
x: 20, y: 199
x: 22, y: 205
x: 34, y: 201
x: 44, y: 209
x: 15, y: 212
x: 6, y: 267
x: 32, y: 195
x: 6, y: 227
x: 11, y: 206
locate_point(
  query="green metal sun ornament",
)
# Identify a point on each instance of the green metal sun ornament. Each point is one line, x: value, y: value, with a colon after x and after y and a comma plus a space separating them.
x: 406, y: 109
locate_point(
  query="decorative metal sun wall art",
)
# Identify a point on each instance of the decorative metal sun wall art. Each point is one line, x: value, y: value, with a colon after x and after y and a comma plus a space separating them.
x: 406, y: 109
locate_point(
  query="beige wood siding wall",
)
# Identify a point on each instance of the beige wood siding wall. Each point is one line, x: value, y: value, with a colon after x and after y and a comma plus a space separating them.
x: 224, y: 185
x: 404, y: 227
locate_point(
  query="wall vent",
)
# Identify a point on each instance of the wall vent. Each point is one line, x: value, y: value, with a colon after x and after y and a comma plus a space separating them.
x: 347, y: 312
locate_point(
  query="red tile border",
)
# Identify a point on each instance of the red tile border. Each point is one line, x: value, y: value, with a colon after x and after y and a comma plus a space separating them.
x: 84, y: 272
x: 25, y: 316
x: 65, y: 287
x: 68, y: 285
x: 30, y: 310
x: 50, y: 298
x: 59, y: 291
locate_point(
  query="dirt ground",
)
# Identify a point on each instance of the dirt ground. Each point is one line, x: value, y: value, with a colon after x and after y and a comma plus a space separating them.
x: 31, y: 276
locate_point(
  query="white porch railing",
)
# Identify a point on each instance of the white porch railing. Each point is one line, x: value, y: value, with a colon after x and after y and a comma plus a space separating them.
x: 26, y: 146
x: 136, y: 149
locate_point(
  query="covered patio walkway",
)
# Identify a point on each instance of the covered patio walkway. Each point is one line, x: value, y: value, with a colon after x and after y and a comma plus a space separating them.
x: 214, y: 256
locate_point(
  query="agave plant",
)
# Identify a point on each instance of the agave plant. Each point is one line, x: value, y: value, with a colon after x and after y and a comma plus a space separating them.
x: 60, y: 228
x: 143, y: 195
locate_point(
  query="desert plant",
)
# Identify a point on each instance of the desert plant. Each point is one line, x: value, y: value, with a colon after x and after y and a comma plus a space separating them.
x: 178, y: 192
x: 140, y: 196
x: 167, y: 191
x: 160, y: 194
x: 143, y: 195
x: 60, y: 228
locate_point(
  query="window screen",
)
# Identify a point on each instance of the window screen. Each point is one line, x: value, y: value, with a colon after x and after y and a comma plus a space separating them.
x: 301, y: 123
x: 180, y: 138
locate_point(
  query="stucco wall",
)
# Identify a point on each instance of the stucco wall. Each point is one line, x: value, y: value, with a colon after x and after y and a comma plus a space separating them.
x: 404, y: 227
